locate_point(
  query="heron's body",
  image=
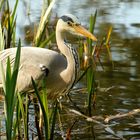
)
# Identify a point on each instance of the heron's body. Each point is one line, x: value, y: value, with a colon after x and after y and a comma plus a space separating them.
x: 31, y: 60
x: 58, y: 71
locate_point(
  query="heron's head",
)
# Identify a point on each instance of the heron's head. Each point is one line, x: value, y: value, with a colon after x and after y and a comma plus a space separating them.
x: 71, y: 24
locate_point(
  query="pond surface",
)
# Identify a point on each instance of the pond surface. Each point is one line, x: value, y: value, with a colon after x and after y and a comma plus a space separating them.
x: 123, y: 80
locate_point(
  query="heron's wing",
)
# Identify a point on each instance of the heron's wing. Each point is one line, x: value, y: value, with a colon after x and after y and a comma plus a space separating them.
x: 34, y: 62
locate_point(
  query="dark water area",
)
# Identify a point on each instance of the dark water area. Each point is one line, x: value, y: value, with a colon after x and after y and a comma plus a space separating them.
x: 123, y: 81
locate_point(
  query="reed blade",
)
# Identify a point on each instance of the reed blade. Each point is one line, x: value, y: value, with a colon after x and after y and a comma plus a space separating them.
x: 53, y: 120
x: 2, y: 73
x: 42, y: 24
x: 107, y: 44
x: 44, y: 112
x: 24, y: 114
x: 10, y: 92
x: 91, y: 29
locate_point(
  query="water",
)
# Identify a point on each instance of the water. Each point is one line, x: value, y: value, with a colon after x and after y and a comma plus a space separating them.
x: 123, y: 80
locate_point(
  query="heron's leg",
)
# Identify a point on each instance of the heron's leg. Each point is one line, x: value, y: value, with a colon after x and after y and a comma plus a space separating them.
x: 73, y: 103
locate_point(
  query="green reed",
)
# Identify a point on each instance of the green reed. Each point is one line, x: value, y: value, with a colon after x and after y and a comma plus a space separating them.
x: 48, y: 122
x: 9, y: 23
x: 90, y: 75
x: 22, y: 114
x: 44, y: 108
x: 91, y: 29
x: 92, y: 52
x: 10, y: 93
x: 42, y: 25
x: 9, y: 75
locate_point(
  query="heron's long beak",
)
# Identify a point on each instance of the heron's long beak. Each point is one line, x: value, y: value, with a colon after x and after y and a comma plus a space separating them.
x: 84, y: 32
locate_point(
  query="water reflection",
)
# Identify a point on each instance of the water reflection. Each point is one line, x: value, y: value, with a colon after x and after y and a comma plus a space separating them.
x: 124, y: 16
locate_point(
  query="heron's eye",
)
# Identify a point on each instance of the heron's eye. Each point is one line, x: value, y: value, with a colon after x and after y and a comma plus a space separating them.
x: 69, y: 23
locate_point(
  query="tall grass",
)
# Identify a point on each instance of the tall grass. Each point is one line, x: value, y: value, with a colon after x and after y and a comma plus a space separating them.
x: 48, y: 120
x: 42, y: 24
x: 91, y: 84
x: 10, y: 93
x: 44, y: 108
x: 9, y: 24
x: 22, y: 115
x: 92, y: 53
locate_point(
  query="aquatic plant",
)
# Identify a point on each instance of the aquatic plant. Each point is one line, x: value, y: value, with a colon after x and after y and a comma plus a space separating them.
x: 91, y: 84
x: 49, y: 122
x: 8, y: 23
x: 10, y: 93
x: 42, y: 26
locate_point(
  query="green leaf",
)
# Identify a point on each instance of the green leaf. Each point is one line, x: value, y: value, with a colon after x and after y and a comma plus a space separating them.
x: 45, y: 42
x: 8, y: 79
x: 91, y: 29
x: 14, y: 12
x: 53, y: 120
x: 10, y: 92
x: 16, y: 67
x: 24, y: 115
x: 45, y: 115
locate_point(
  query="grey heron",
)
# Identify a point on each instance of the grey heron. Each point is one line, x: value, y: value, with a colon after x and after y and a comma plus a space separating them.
x: 58, y: 70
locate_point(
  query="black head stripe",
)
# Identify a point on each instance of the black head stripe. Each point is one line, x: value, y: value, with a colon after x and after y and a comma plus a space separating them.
x: 66, y: 18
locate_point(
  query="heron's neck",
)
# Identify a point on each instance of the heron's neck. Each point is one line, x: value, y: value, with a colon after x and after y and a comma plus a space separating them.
x: 70, y: 73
